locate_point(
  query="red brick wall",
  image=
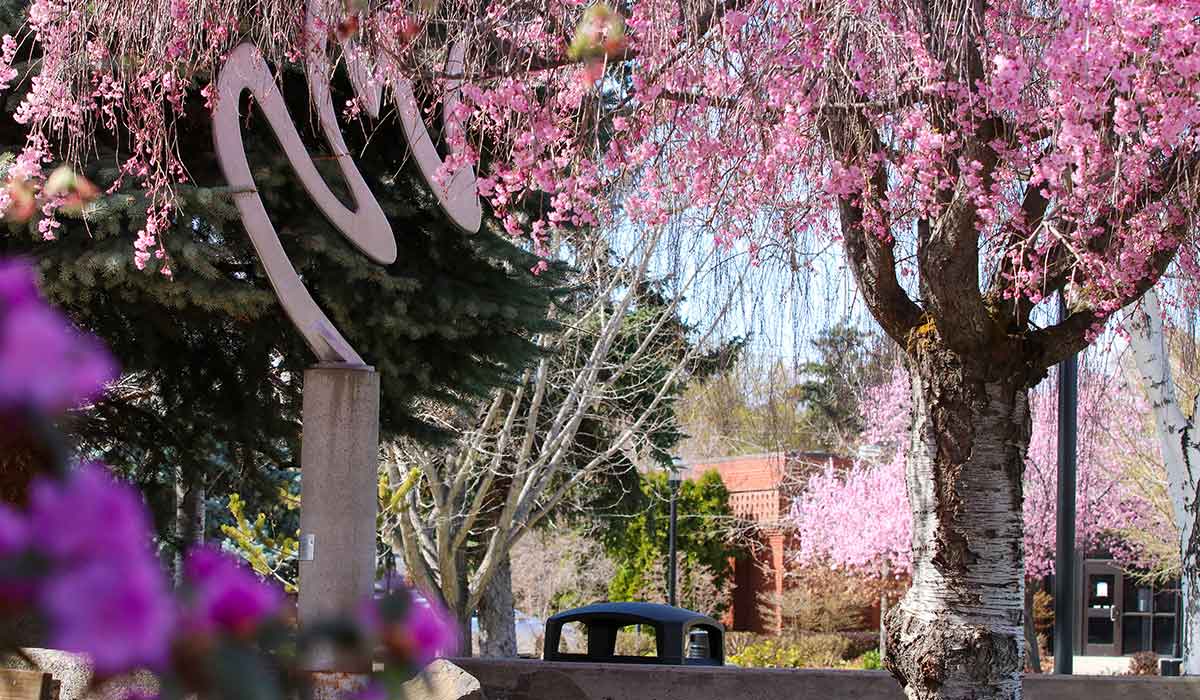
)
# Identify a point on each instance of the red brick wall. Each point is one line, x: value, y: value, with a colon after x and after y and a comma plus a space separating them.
x: 760, y: 489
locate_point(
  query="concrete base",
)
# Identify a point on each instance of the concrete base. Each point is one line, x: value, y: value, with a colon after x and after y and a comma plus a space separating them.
x: 339, y: 487
x: 334, y: 685
x: 1100, y: 665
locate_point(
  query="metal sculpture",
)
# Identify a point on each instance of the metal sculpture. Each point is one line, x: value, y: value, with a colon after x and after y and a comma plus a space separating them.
x: 366, y: 226
x: 340, y: 440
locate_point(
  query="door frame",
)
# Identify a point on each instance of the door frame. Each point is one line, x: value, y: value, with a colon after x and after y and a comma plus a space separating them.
x: 1102, y: 567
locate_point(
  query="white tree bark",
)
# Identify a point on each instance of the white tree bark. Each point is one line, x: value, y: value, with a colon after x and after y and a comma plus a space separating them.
x: 1181, y: 456
x: 189, y: 519
x: 958, y: 632
x: 497, y: 618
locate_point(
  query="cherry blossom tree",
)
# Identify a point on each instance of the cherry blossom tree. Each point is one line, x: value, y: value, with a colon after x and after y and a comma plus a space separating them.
x: 972, y: 160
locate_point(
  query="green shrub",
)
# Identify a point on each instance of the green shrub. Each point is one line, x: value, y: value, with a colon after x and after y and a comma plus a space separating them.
x: 768, y: 653
x: 870, y: 661
x: 810, y: 651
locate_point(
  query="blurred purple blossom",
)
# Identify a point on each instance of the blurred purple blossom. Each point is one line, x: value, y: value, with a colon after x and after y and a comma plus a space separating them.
x: 425, y: 630
x: 17, y: 285
x: 119, y: 614
x: 17, y: 583
x: 88, y: 515
x: 14, y: 531
x: 105, y: 595
x: 225, y: 595
x: 45, y: 364
x: 432, y: 630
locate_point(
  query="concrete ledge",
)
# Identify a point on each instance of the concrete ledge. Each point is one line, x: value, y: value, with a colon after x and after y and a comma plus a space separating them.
x: 519, y: 679
x: 538, y: 680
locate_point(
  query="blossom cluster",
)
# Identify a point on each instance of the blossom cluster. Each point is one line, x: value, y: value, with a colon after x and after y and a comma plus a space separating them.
x: 78, y: 556
x: 723, y: 118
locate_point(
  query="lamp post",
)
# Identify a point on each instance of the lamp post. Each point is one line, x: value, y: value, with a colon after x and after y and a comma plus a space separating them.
x: 1064, y: 557
x: 673, y: 477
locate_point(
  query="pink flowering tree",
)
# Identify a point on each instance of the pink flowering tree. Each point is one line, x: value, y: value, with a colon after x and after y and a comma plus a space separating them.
x: 973, y: 160
x: 78, y: 559
x: 859, y: 518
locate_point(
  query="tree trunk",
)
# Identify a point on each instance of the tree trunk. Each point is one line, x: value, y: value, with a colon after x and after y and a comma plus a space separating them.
x: 1031, y: 640
x: 883, y: 610
x: 189, y: 520
x: 497, y: 619
x: 957, y: 633
x: 1181, y: 457
x: 1191, y: 613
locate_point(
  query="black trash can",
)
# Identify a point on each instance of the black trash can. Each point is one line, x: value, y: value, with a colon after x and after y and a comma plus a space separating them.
x: 681, y: 637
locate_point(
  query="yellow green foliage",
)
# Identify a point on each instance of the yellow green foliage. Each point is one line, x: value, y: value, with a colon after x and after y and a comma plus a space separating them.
x: 254, y: 541
x: 808, y: 651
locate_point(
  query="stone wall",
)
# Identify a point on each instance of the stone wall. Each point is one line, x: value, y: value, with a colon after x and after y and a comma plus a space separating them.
x: 493, y: 679
x: 536, y: 680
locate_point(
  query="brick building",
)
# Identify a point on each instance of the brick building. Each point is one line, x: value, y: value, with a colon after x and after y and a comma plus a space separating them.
x: 761, y: 488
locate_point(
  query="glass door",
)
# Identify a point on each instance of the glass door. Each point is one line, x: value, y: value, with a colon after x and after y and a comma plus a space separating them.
x: 1103, y: 586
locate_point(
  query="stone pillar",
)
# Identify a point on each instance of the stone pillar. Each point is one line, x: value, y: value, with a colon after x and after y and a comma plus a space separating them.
x: 339, y: 460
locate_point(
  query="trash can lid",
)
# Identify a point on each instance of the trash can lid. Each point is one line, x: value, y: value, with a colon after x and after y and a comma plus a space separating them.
x: 654, y: 612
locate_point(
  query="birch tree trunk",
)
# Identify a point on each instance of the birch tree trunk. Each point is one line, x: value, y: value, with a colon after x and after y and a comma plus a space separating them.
x: 1180, y: 455
x: 189, y: 520
x: 497, y: 618
x: 958, y: 633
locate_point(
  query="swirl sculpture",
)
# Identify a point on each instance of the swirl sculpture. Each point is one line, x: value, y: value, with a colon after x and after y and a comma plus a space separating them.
x: 366, y: 225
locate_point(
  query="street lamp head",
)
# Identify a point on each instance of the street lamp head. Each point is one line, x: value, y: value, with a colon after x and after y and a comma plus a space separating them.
x: 676, y: 474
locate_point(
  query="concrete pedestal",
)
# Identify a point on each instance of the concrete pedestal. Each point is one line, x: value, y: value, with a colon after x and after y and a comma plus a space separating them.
x: 339, y: 487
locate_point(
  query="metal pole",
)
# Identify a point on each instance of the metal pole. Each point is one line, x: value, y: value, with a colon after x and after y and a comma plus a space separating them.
x: 671, y: 546
x: 1064, y: 558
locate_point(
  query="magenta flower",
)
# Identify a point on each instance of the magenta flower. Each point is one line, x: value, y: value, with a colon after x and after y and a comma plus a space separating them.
x: 225, y: 595
x: 14, y: 531
x: 423, y: 632
x: 118, y: 613
x: 16, y: 583
x: 45, y: 364
x: 17, y: 286
x: 88, y: 515
x: 105, y: 595
x: 432, y: 632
